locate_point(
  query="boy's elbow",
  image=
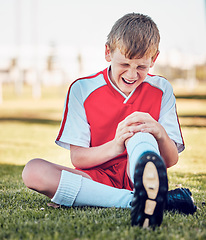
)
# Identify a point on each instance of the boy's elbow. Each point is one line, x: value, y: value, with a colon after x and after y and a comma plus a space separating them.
x: 78, y: 157
x: 74, y: 156
x: 172, y: 162
x: 74, y: 161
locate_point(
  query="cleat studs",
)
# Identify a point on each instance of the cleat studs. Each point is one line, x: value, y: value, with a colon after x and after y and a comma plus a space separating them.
x: 163, y: 174
x: 163, y: 189
x: 137, y: 171
x: 141, y: 193
x: 160, y: 199
x: 137, y: 185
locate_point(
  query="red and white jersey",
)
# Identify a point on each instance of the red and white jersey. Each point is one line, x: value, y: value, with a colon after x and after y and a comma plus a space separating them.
x: 94, y: 106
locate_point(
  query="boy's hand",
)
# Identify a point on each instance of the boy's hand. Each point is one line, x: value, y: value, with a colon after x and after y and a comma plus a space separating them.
x: 123, y: 132
x: 136, y: 122
x: 144, y: 122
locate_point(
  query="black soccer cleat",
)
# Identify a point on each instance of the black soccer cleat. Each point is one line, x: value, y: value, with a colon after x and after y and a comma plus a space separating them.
x: 180, y: 200
x: 150, y: 191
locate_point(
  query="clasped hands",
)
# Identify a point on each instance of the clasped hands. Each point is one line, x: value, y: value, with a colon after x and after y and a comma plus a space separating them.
x: 136, y: 122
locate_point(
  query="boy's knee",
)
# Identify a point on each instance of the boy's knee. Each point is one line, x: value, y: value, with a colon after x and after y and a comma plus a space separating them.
x: 31, y: 172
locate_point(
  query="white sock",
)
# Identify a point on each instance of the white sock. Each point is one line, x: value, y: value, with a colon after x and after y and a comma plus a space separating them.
x: 75, y: 190
x: 137, y: 145
x: 69, y: 186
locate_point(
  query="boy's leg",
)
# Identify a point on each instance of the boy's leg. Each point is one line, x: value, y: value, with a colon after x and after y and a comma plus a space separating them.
x: 136, y: 146
x: 43, y: 176
x: 148, y: 173
x: 71, y: 187
x: 75, y: 190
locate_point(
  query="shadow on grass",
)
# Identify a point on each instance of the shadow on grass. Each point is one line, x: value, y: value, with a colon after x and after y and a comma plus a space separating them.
x: 192, y: 116
x: 192, y: 121
x: 31, y: 120
x: 192, y: 126
x: 190, y: 96
x: 57, y: 122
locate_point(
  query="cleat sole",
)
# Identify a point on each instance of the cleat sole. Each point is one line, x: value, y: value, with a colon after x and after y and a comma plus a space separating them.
x: 151, y: 185
x: 150, y: 191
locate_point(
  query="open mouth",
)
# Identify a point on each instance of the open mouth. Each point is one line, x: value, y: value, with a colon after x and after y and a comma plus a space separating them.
x: 127, y: 81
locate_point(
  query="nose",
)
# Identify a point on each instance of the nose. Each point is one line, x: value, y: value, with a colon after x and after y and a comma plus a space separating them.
x: 132, y: 74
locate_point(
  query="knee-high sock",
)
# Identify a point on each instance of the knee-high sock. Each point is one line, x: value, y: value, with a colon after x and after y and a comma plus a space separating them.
x: 137, y: 145
x: 75, y: 190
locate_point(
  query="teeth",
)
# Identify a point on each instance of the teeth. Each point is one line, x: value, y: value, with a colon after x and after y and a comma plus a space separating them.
x: 129, y: 82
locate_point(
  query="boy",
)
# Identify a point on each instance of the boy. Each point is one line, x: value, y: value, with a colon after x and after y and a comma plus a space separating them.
x: 122, y: 130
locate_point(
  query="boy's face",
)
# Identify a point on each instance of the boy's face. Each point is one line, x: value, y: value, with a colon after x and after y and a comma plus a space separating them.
x: 127, y: 74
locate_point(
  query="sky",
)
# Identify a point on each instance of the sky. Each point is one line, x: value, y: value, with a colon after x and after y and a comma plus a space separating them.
x: 83, y: 25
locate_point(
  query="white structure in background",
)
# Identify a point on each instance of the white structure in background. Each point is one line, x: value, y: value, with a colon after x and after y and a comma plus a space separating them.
x: 52, y: 78
x: 1, y: 93
x: 52, y: 74
x: 187, y: 62
x: 36, y: 86
x: 177, y: 59
x: 15, y: 76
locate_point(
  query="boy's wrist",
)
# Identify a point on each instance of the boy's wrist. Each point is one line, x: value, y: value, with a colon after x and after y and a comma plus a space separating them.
x: 116, y: 149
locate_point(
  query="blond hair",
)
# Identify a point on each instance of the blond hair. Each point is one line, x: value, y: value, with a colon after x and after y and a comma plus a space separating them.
x: 135, y: 35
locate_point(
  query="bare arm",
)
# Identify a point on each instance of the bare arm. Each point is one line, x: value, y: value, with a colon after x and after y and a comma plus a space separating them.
x: 168, y: 150
x: 136, y: 122
x: 84, y: 158
x: 90, y: 157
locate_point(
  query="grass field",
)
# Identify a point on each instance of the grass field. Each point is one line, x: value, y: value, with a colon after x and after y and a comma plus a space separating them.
x: 28, y: 129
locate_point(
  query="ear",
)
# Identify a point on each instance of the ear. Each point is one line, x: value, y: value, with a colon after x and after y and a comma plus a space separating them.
x: 107, y: 53
x: 154, y: 58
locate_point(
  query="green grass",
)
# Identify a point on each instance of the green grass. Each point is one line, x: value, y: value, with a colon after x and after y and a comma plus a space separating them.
x: 25, y: 215
x: 28, y: 129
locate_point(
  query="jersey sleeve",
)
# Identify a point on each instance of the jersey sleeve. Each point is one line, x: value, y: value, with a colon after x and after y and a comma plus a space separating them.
x: 74, y: 128
x: 168, y: 117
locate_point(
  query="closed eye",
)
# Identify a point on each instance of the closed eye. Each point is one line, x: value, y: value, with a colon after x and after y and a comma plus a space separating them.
x: 142, y: 67
x: 124, y: 64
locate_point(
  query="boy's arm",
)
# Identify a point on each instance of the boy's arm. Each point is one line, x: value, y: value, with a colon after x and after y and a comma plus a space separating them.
x: 83, y: 158
x: 168, y: 149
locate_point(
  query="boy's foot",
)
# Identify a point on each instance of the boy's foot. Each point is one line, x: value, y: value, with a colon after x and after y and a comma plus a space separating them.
x: 150, y: 191
x: 180, y: 200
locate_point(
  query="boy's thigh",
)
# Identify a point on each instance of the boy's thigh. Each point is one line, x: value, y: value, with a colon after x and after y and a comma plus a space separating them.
x: 72, y: 170
x: 49, y: 169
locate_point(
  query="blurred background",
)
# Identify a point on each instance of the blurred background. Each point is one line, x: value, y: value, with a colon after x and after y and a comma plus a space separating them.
x: 46, y: 44
x: 53, y: 42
